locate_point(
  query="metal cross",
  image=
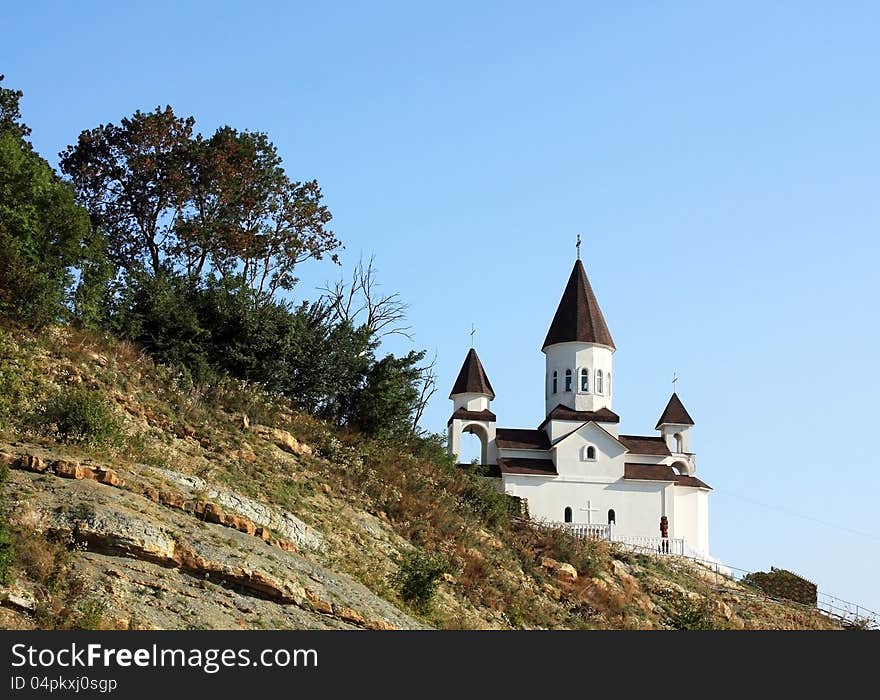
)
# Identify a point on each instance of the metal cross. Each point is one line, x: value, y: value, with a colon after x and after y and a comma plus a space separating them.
x: 473, y: 330
x: 589, y: 509
x: 578, y: 246
x: 674, y: 380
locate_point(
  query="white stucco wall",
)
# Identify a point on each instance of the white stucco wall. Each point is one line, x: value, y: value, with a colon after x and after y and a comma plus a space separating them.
x: 470, y: 402
x: 692, y: 518
x: 568, y: 455
x: 637, y: 505
x: 484, y: 430
x: 576, y: 356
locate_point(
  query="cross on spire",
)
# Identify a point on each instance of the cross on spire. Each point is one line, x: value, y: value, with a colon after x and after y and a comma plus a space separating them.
x: 473, y: 330
x: 674, y: 380
x: 578, y: 246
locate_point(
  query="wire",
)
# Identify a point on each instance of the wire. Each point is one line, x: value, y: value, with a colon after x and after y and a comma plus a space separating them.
x: 800, y: 515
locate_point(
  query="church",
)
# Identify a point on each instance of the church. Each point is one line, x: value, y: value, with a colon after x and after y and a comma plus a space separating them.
x: 576, y: 468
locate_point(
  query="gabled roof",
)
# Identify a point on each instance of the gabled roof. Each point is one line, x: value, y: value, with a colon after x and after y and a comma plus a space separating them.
x: 603, y: 415
x: 518, y: 439
x: 675, y: 412
x: 690, y: 481
x: 472, y: 378
x: 583, y: 425
x: 648, y: 472
x: 464, y: 414
x: 660, y: 472
x: 578, y: 317
x: 644, y: 444
x: 520, y: 465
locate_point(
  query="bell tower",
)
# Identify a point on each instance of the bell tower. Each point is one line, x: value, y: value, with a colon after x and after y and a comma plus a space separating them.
x: 578, y: 349
x: 470, y: 396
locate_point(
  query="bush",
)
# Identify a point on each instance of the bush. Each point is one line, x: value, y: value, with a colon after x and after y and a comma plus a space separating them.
x: 7, y: 553
x: 481, y: 497
x: 689, y: 614
x: 82, y: 416
x: 418, y: 577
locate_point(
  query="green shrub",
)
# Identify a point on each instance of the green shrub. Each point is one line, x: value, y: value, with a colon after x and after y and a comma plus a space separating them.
x: 91, y: 615
x: 82, y: 416
x: 687, y: 614
x: 481, y: 497
x: 7, y: 553
x: 418, y: 577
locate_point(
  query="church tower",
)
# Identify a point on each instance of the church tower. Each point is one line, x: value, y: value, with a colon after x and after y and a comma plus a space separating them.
x: 675, y: 425
x: 578, y: 350
x: 471, y: 395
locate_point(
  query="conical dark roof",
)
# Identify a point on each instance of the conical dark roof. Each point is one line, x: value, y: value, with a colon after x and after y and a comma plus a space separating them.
x: 578, y: 316
x: 472, y: 378
x: 675, y: 412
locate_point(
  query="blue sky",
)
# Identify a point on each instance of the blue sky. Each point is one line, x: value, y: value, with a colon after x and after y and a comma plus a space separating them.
x: 720, y: 163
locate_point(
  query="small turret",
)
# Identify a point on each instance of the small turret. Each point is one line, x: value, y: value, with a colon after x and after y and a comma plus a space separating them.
x: 470, y: 396
x: 675, y: 426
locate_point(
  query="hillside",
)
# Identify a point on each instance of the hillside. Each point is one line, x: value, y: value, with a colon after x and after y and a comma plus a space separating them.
x: 135, y: 498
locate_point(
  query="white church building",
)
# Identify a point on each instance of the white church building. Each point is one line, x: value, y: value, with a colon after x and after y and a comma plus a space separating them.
x: 576, y: 467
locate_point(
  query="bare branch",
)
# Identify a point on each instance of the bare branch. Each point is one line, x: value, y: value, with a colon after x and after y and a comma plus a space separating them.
x: 427, y: 385
x: 360, y: 302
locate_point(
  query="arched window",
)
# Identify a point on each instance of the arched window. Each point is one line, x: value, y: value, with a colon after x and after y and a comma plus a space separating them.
x: 598, y: 381
x: 611, y: 517
x: 679, y: 442
x: 568, y: 380
x: 585, y: 379
x: 555, y: 381
x: 591, y: 452
x: 568, y: 514
x: 609, y: 384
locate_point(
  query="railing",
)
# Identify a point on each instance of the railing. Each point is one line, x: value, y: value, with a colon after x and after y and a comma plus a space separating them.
x: 849, y: 614
x: 594, y: 532
x: 659, y: 545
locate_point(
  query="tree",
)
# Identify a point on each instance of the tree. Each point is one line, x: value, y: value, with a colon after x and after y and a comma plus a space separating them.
x: 44, y: 235
x: 131, y: 179
x: 385, y: 405
x: 171, y: 201
x: 246, y: 218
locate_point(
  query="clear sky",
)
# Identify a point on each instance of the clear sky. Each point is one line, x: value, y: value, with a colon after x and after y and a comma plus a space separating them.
x: 721, y: 162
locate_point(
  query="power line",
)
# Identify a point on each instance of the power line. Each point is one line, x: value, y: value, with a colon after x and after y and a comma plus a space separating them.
x: 800, y: 515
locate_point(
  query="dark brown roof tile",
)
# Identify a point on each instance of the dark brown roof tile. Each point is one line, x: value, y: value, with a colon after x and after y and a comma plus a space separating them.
x: 472, y: 378
x: 603, y: 415
x: 644, y: 444
x: 520, y: 465
x: 648, y: 472
x: 463, y: 414
x: 520, y: 439
x: 578, y: 316
x: 675, y: 412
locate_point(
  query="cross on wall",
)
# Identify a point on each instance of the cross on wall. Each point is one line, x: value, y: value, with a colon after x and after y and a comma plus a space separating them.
x: 589, y: 511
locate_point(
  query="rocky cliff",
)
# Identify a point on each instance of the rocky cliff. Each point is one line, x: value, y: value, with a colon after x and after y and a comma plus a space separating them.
x: 220, y: 507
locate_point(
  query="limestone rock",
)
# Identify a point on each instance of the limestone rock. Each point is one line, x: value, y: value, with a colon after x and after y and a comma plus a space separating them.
x: 285, y: 524
x: 283, y: 440
x: 551, y: 591
x: 566, y: 572
x: 561, y: 570
x: 32, y: 463
x: 103, y: 475
x: 349, y: 615
x: 379, y: 625
x: 318, y: 604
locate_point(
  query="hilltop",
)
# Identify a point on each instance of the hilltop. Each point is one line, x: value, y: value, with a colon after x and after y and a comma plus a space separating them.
x: 135, y: 497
